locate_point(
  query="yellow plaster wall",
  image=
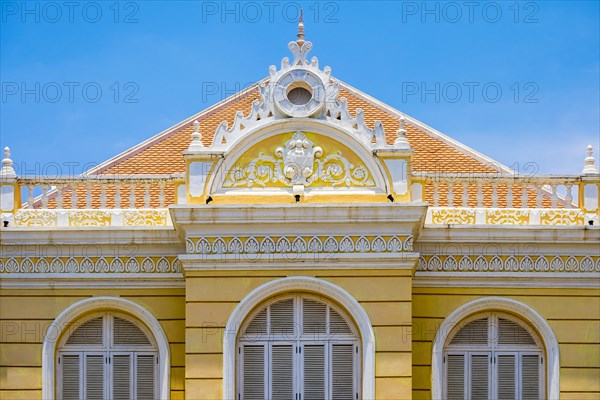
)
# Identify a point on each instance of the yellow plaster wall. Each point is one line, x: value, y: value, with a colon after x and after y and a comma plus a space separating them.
x: 26, y: 314
x: 212, y: 296
x: 573, y: 315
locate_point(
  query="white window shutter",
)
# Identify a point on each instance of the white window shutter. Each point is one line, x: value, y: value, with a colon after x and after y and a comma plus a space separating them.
x: 121, y: 377
x: 506, y: 379
x: 282, y: 372
x: 127, y: 333
x: 254, y: 372
x: 282, y: 318
x: 511, y: 333
x: 337, y: 324
x: 480, y: 382
x: 314, y: 372
x: 530, y: 377
x: 257, y: 329
x: 88, y: 333
x: 94, y: 376
x: 475, y: 332
x: 145, y: 377
x: 455, y: 376
x: 70, y: 376
x: 342, y: 372
x: 314, y: 318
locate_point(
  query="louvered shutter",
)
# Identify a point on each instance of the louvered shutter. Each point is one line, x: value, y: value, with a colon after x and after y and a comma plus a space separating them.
x: 282, y: 318
x: 314, y: 372
x: 145, y: 377
x: 455, y: 376
x: 70, y: 376
x: 282, y: 372
x: 94, y: 376
x: 511, y: 333
x: 480, y: 377
x: 342, y: 372
x: 506, y: 379
x: 314, y: 319
x: 254, y: 372
x: 127, y: 333
x: 337, y: 324
x: 257, y: 329
x: 121, y: 377
x: 88, y: 333
x: 530, y: 377
x: 475, y: 332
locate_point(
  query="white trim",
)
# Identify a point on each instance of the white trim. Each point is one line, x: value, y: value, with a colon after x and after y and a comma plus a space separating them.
x: 82, y: 280
x: 305, y: 284
x: 429, y: 130
x: 507, y: 280
x: 75, y: 311
x: 528, y: 314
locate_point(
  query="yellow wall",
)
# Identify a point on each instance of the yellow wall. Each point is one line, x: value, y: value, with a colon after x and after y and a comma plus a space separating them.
x: 573, y: 315
x: 26, y: 314
x: 212, y: 296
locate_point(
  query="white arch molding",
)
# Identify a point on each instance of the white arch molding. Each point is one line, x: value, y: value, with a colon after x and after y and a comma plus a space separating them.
x: 523, y: 311
x: 299, y: 284
x: 78, y: 309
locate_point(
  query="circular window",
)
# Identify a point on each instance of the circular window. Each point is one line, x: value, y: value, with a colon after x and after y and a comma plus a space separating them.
x: 299, y: 96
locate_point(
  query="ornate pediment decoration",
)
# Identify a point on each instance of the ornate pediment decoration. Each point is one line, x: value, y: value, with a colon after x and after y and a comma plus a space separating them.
x: 298, y: 162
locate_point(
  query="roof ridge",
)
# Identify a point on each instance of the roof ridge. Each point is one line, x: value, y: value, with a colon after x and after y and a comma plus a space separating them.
x: 427, y: 129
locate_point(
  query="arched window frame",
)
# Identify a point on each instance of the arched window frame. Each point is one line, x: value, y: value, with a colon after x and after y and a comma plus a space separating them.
x: 300, y: 284
x: 509, y: 306
x: 72, y: 314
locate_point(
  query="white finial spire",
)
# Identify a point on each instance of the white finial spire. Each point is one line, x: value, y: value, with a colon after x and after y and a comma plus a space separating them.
x: 401, y: 141
x: 7, y: 170
x: 300, y: 34
x: 196, y: 143
x: 589, y: 162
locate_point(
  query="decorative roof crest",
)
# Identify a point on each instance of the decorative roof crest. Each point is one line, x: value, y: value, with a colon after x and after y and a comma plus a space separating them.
x: 299, y: 89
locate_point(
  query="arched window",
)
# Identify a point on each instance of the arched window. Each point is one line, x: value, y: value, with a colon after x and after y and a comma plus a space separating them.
x: 493, y: 356
x: 107, y: 355
x: 298, y: 347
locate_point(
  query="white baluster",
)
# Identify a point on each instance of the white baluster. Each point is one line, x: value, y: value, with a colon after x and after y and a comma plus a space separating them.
x: 479, y: 193
x: 59, y: 195
x: 436, y: 195
x: 74, y: 195
x: 102, y: 195
x: 495, y: 194
x: 88, y: 194
x: 117, y: 194
x: 30, y: 196
x: 465, y: 194
x: 554, y: 196
x: 450, y: 194
x: 524, y: 195
x: 539, y: 187
x: 44, y: 197
x: 509, y: 195
x: 131, y: 194
x: 569, y: 195
x: 161, y: 196
x: 147, y: 195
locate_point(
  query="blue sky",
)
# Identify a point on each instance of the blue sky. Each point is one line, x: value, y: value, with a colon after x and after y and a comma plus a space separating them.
x: 84, y: 81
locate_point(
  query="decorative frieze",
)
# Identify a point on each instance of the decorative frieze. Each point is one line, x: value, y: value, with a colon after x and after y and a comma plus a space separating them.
x: 89, y: 265
x: 505, y: 216
x: 506, y: 263
x: 274, y: 244
x: 45, y: 218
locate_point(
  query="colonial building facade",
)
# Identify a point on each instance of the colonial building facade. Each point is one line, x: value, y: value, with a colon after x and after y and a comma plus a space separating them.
x: 300, y: 240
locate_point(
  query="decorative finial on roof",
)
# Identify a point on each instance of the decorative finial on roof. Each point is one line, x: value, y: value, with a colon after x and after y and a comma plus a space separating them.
x: 196, y: 143
x: 7, y: 170
x: 300, y: 34
x: 589, y: 162
x: 401, y: 141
